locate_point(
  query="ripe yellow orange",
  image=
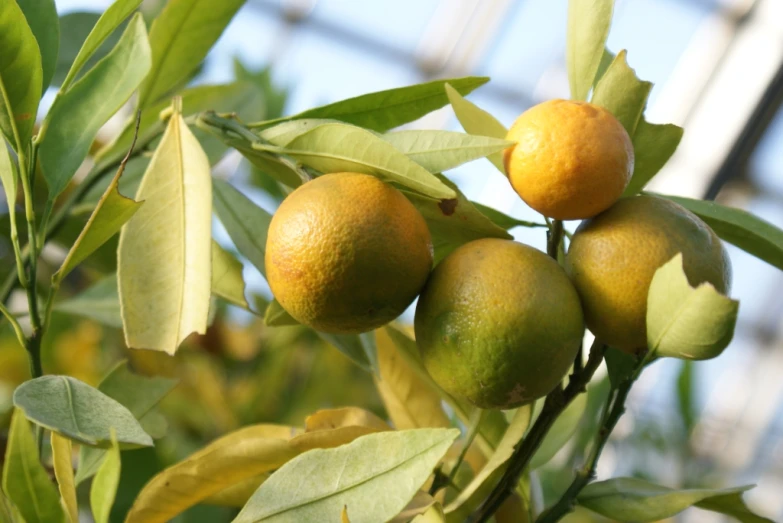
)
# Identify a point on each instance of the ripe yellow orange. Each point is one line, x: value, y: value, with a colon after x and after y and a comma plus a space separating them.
x: 572, y: 159
x: 498, y: 323
x: 613, y: 257
x: 347, y: 253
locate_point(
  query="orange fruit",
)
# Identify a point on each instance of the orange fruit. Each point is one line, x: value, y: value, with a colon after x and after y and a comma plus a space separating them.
x: 347, y: 253
x: 612, y: 259
x: 572, y: 160
x: 498, y: 323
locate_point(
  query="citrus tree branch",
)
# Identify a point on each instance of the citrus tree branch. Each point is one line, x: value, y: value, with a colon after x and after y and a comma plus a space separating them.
x: 554, y: 405
x: 554, y: 237
x: 614, y: 409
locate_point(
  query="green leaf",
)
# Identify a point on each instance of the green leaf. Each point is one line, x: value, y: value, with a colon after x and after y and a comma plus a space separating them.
x: 20, y: 75
x: 732, y: 505
x: 741, y: 228
x: 111, y: 213
x: 688, y: 323
x: 439, y: 151
x: 504, y: 220
x: 9, y: 177
x: 622, y: 93
x: 139, y: 394
x: 477, y: 121
x: 606, y: 60
x: 76, y: 116
x: 227, y: 461
x: 479, y: 488
x: 62, y: 461
x: 42, y: 18
x: 588, y: 28
x: 77, y: 411
x: 104, y: 486
x: 8, y: 513
x: 561, y: 432
x: 164, y: 256
x: 356, y: 347
x: 276, y: 316
x: 274, y: 97
x: 284, y: 133
x: 337, y: 147
x: 75, y: 27
x: 242, y: 98
x: 246, y: 223
x: 630, y: 499
x: 454, y: 222
x: 180, y: 38
x: 25, y: 481
x: 653, y: 145
x: 227, y: 280
x: 375, y: 475
x: 620, y: 366
x: 100, y: 302
x: 103, y: 27
x: 385, y: 110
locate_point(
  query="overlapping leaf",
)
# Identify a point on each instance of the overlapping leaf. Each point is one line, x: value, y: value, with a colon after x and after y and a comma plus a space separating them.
x: 62, y: 461
x: 227, y: 280
x: 165, y: 253
x: 104, y: 486
x: 439, y: 151
x: 42, y: 18
x: 588, y: 29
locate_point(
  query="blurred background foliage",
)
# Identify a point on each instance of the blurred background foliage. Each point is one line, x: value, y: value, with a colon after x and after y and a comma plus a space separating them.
x: 242, y: 372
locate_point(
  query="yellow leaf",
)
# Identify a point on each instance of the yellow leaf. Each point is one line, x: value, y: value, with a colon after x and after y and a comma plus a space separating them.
x: 420, y: 504
x: 62, y: 457
x: 433, y: 515
x: 164, y: 258
x: 227, y: 281
x: 410, y: 401
x: 227, y: 461
x: 344, y: 515
x: 237, y: 495
x: 344, y: 417
x: 330, y: 438
x: 104, y: 485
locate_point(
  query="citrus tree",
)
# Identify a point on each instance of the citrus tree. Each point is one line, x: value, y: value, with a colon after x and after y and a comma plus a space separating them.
x: 494, y: 381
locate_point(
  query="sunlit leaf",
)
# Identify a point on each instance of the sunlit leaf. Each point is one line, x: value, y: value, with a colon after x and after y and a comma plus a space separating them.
x: 439, y: 151
x: 9, y: 177
x: 42, y: 18
x: 631, y: 499
x: 284, y: 133
x: 420, y: 504
x: 226, y: 461
x: 111, y: 213
x: 653, y: 145
x: 62, y: 460
x: 164, y: 256
x: 733, y: 505
x: 76, y: 116
x: 588, y: 28
x: 375, y: 475
x: 683, y: 322
x: 246, y: 223
x: 20, y: 74
x: 180, y: 38
x: 338, y: 147
x: 227, y: 280
x: 104, y: 486
x: 343, y: 417
x: 77, y: 411
x: 388, y: 109
x: 108, y: 22
x: 36, y: 497
x: 622, y: 93
x: 433, y: 515
x: 410, y: 401
x: 750, y: 233
x: 561, y: 432
x: 237, y: 495
x: 99, y: 302
x: 477, y: 121
x: 479, y: 488
x: 455, y: 221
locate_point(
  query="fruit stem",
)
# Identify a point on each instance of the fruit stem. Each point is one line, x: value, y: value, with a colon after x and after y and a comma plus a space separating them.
x: 614, y: 409
x: 554, y: 405
x: 554, y: 237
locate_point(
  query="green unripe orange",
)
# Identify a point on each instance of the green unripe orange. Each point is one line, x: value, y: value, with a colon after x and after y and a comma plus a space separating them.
x: 498, y: 324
